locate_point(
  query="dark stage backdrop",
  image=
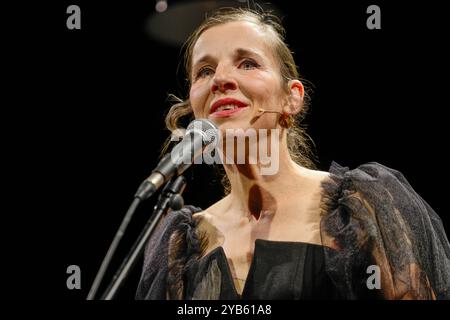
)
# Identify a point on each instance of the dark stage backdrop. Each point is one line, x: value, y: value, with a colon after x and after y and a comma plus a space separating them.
x: 87, y: 120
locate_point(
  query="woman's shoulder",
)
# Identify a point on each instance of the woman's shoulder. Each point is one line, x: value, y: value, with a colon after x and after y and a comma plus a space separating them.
x: 366, y: 176
x: 175, y: 224
x: 369, y: 171
x: 374, y: 215
x: 208, y: 220
x: 213, y: 212
x: 372, y: 185
x: 178, y: 219
x: 165, y: 254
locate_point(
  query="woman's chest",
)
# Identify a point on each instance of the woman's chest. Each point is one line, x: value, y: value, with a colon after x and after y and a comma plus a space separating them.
x: 278, y: 270
x: 238, y: 245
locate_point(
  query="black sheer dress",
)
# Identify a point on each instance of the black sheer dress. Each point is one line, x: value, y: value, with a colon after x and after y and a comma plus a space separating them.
x: 279, y: 270
x: 372, y: 217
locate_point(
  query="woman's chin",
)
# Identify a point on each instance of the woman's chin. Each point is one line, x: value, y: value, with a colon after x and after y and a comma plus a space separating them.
x: 243, y: 124
x: 244, y: 119
x: 233, y: 124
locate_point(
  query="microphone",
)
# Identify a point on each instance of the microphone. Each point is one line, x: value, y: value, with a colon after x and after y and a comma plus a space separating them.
x: 262, y: 111
x: 199, y: 135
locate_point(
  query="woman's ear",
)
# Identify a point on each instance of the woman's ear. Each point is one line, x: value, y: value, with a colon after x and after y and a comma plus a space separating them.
x: 295, y: 98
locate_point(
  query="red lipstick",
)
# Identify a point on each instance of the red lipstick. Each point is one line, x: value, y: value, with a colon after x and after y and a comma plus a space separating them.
x: 225, y: 101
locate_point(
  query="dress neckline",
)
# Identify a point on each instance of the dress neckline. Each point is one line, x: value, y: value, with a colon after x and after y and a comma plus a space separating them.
x: 219, y: 250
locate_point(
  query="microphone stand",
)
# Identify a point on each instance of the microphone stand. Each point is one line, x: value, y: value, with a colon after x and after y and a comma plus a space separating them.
x: 202, y: 133
x: 169, y: 197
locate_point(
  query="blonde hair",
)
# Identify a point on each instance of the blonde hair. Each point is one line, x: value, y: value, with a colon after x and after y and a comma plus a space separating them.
x: 297, y: 139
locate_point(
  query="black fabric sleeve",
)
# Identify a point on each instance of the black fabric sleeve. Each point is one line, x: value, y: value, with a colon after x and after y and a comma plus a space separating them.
x: 373, y: 216
x: 153, y: 284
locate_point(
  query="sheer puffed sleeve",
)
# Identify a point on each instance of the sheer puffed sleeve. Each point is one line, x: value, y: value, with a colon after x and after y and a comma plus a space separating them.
x: 372, y: 216
x: 172, y: 245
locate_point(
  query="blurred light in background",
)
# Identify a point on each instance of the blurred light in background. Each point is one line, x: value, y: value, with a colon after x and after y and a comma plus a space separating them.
x: 161, y: 6
x: 172, y: 25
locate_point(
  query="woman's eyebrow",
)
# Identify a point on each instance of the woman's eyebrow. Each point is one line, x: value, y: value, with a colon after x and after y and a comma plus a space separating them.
x: 205, y: 58
x: 239, y: 52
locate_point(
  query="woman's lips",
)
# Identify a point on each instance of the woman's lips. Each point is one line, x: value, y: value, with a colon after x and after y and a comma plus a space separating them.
x: 226, y: 107
x: 226, y: 102
x: 226, y: 113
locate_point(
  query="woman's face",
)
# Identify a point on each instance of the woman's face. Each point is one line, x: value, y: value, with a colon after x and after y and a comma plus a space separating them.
x: 234, y: 61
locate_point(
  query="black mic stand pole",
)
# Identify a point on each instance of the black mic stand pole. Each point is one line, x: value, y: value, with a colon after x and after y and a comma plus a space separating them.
x: 169, y: 197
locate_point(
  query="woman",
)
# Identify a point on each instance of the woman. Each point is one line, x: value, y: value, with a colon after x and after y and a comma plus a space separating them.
x: 299, y: 233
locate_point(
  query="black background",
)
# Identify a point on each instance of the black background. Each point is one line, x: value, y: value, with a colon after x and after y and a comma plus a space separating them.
x: 83, y: 122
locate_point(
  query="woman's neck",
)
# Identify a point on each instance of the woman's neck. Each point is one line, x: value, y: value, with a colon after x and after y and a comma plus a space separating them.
x: 253, y: 193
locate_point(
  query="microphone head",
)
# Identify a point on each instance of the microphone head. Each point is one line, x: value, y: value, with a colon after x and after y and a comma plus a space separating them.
x: 206, y: 128
x: 202, y: 124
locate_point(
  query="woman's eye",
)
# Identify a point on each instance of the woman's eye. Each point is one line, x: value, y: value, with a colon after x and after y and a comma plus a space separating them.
x: 249, y: 64
x: 204, y: 72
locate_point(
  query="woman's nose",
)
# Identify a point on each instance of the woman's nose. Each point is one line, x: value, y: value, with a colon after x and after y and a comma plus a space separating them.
x: 223, y: 81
